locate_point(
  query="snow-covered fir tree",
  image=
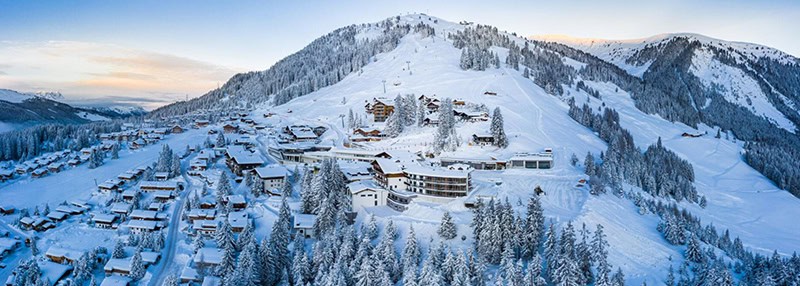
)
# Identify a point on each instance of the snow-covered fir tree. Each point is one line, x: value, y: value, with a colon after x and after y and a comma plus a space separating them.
x: 497, y: 129
x: 447, y: 228
x: 138, y: 269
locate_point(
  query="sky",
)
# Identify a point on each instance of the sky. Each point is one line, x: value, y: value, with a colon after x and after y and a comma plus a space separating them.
x: 151, y: 53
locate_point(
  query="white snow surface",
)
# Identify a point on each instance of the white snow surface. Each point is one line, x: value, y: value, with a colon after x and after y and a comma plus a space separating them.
x: 737, y: 87
x: 13, y: 96
x: 740, y: 199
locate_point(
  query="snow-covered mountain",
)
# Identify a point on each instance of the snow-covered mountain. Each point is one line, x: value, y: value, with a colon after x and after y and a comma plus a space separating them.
x: 19, y: 110
x: 760, y: 79
x: 674, y: 92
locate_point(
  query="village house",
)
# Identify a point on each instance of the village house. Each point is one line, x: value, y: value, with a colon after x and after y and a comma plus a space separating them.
x: 106, y: 221
x: 115, y: 280
x: 162, y: 196
x: 303, y: 224
x: 144, y: 215
x: 238, y: 220
x: 119, y: 266
x: 7, y: 209
x: 237, y: 202
x: 129, y: 195
x: 121, y: 208
x: 38, y: 173
x: 177, y: 129
x: 201, y: 123
x: 207, y: 258
x: 151, y: 186
x: 206, y: 227
x: 272, y: 177
x: 388, y: 174
x: 6, y: 174
x: 230, y: 128
x: 201, y: 214
x: 238, y: 159
x: 366, y: 194
x: 142, y: 226
x: 531, y: 160
x: 381, y: 108
x: 62, y: 255
x: 483, y: 139
x: 136, y: 144
x: 56, y: 216
x: 55, y: 167
x: 127, y: 176
x: 110, y: 185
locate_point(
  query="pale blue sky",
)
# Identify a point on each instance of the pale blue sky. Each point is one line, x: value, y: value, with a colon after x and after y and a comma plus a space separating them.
x: 143, y: 48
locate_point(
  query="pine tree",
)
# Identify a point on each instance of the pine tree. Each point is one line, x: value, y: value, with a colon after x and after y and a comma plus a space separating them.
x: 693, y: 251
x: 301, y: 270
x: 533, y: 276
x: 228, y: 262
x: 370, y: 229
x: 430, y: 275
x: 115, y: 151
x: 137, y: 265
x: 171, y: 280
x: 533, y: 229
x: 196, y: 245
x: 411, y: 252
x: 175, y: 168
x: 498, y: 130
x: 588, y: 164
x: 618, y: 279
x: 220, y: 141
x: 394, y: 124
x: 34, y: 246
x: 422, y: 112
x: 447, y: 229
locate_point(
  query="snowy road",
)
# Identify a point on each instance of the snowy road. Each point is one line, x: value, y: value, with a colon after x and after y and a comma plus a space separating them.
x: 169, y: 266
x: 14, y: 258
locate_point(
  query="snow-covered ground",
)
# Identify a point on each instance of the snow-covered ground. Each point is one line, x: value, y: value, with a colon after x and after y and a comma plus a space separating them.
x: 740, y: 199
x: 80, y: 182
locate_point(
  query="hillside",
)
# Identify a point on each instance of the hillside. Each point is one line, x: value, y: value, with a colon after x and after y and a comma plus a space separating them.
x: 677, y: 151
x: 739, y: 198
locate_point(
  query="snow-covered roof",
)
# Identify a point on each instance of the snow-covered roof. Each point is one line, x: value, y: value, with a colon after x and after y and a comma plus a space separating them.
x: 52, y: 271
x: 243, y: 157
x: 70, y: 254
x: 304, y: 221
x: 56, y: 215
x: 208, y: 255
x: 121, y: 264
x: 236, y: 199
x: 162, y: 194
x: 414, y: 169
x: 388, y: 166
x: 158, y: 185
x: 238, y: 219
x: 104, y: 218
x: 145, y: 214
x: 115, y: 280
x: 120, y: 207
x: 271, y: 171
x: 365, y: 185
x: 531, y: 157
x: 142, y: 224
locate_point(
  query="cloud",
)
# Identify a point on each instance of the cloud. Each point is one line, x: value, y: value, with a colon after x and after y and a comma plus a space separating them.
x: 92, y: 70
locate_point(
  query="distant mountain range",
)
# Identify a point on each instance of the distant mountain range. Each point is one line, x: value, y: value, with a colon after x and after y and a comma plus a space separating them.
x: 20, y: 110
